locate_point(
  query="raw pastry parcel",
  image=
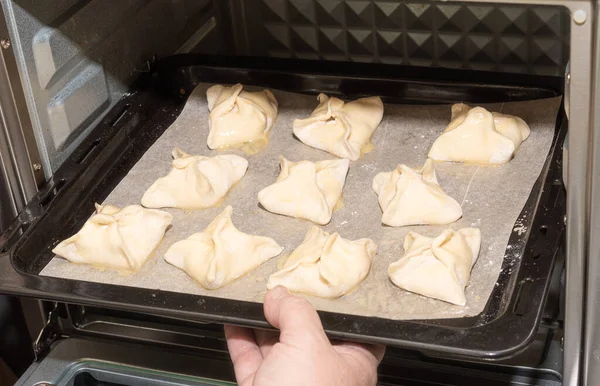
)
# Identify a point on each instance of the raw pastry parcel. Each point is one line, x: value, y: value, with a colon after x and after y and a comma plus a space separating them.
x: 478, y: 136
x: 308, y: 190
x: 342, y: 129
x: 221, y: 253
x: 120, y: 239
x: 440, y: 267
x: 414, y: 197
x: 325, y: 265
x: 195, y: 182
x: 238, y: 117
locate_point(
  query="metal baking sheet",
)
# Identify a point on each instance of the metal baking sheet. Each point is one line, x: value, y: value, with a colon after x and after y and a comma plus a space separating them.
x: 491, y: 198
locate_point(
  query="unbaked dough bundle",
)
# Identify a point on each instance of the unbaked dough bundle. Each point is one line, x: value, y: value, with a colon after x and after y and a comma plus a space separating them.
x: 308, y: 190
x: 114, y: 238
x: 238, y: 117
x: 414, y: 197
x: 478, y: 136
x: 325, y: 265
x: 195, y: 182
x: 341, y: 128
x: 439, y: 267
x: 221, y: 253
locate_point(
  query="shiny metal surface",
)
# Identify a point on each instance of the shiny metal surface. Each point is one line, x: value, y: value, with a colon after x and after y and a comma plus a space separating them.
x: 18, y: 150
x: 578, y: 177
x: 591, y: 364
x: 74, y: 362
x: 8, y: 208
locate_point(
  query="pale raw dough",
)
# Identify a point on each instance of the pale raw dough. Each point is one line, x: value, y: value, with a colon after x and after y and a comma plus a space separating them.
x: 342, y: 129
x: 221, y: 253
x: 478, y: 136
x: 238, y: 117
x: 114, y: 238
x: 325, y: 265
x: 440, y: 267
x: 195, y: 182
x: 308, y: 190
x: 512, y: 127
x: 414, y: 197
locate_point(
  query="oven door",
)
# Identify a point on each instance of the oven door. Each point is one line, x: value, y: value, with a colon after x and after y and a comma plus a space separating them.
x: 85, y: 362
x: 97, y: 346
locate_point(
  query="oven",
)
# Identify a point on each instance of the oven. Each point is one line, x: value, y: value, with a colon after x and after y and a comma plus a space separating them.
x: 86, y: 88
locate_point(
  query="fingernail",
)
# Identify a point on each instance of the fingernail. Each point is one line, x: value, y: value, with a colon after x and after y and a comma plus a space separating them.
x: 279, y: 292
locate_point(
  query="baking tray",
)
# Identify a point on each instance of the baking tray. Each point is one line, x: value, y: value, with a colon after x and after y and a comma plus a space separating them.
x: 512, y: 314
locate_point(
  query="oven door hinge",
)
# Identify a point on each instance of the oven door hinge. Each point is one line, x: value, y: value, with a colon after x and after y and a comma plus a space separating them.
x: 48, y: 334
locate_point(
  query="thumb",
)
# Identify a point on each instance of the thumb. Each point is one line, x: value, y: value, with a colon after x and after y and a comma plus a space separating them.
x: 295, y: 317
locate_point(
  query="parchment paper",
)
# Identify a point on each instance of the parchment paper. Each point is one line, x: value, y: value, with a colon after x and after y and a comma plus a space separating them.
x: 492, y: 199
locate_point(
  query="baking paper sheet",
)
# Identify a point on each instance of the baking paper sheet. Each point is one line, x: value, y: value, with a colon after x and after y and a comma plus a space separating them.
x: 492, y: 199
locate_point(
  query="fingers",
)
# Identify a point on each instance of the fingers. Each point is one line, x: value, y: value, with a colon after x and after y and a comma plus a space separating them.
x: 374, y: 352
x: 377, y: 350
x: 363, y: 360
x: 295, y: 317
x: 244, y: 352
x: 266, y: 340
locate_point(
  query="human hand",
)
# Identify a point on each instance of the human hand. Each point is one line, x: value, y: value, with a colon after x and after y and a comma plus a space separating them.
x: 301, y: 353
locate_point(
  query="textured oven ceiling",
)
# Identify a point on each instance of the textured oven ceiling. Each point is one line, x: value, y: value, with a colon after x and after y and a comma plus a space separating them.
x: 522, y: 39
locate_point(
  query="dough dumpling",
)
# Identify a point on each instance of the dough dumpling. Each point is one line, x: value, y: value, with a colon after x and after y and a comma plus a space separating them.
x: 237, y: 117
x: 478, y: 136
x: 440, y: 267
x: 221, y: 254
x: 308, y: 190
x: 414, y: 197
x: 342, y: 129
x: 114, y: 238
x: 195, y: 182
x: 325, y: 265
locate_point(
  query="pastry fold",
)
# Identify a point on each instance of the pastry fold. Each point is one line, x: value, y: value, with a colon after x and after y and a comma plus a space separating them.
x: 195, y: 182
x: 478, y: 136
x: 238, y: 117
x: 307, y: 190
x: 114, y: 238
x: 414, y: 197
x: 342, y: 129
x: 221, y: 253
x: 439, y: 267
x: 325, y: 265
